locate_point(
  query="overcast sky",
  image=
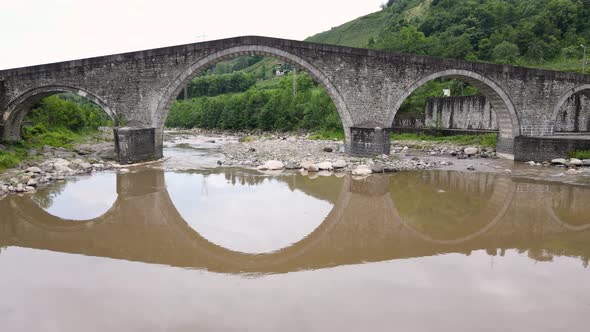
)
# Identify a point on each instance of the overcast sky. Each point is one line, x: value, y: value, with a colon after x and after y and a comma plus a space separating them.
x: 44, y: 31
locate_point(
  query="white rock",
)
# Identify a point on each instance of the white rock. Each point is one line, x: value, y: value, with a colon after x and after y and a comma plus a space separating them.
x: 471, y: 151
x: 86, y: 166
x: 325, y: 166
x: 571, y: 171
x: 531, y: 163
x: 507, y: 171
x: 124, y: 170
x: 306, y: 164
x: 339, y: 164
x: 33, y: 170
x: 274, y: 165
x: 586, y: 162
x: 559, y: 161
x: 575, y: 162
x: 32, y: 183
x: 362, y: 170
x: 313, y: 168
x: 29, y: 189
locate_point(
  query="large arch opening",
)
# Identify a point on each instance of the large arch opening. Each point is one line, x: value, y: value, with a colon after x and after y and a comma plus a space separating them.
x: 21, y: 106
x: 571, y: 115
x: 495, y: 110
x: 286, y: 65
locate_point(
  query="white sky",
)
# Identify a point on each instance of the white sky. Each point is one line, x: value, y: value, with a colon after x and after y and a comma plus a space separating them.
x: 43, y: 31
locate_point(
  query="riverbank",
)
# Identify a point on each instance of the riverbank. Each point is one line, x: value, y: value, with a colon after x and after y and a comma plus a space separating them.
x: 272, y: 153
x: 46, y: 165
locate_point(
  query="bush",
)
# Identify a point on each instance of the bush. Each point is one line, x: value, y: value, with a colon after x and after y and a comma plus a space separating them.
x: 582, y: 154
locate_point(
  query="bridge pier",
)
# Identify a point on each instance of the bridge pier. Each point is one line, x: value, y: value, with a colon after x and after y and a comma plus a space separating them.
x: 134, y: 144
x: 369, y: 141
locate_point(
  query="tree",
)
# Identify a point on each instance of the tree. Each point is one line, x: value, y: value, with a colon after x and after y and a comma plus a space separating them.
x: 505, y: 53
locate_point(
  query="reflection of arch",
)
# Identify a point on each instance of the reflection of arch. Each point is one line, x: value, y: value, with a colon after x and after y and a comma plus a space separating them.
x: 29, y: 211
x: 555, y: 218
x: 506, y: 115
x: 564, y: 99
x: 503, y: 194
x: 153, y: 200
x: 18, y: 108
x: 184, y: 78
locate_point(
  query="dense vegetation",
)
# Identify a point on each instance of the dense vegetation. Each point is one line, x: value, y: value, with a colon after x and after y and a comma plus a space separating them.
x: 540, y: 33
x: 276, y: 104
x: 57, y: 121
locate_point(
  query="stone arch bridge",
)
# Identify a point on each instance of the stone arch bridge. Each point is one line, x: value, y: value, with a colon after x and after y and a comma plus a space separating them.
x: 367, y: 87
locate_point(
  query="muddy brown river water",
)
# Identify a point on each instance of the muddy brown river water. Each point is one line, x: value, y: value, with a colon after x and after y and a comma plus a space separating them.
x: 170, y: 248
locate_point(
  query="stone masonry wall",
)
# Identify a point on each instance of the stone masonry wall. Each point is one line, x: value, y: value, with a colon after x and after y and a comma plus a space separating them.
x: 574, y: 116
x: 476, y: 113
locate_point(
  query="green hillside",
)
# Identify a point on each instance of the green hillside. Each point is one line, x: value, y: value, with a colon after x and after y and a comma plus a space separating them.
x: 534, y: 33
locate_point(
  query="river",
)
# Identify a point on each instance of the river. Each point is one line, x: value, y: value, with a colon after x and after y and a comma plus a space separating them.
x: 186, y: 246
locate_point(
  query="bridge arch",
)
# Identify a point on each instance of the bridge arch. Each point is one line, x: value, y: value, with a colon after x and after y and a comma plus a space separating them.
x: 19, y: 107
x: 176, y: 86
x: 507, y: 117
x: 564, y: 99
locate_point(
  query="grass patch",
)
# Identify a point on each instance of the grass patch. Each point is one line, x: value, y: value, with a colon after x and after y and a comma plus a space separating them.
x: 327, y: 135
x: 9, y: 159
x: 582, y: 154
x: 247, y: 139
x: 487, y: 140
x: 36, y: 138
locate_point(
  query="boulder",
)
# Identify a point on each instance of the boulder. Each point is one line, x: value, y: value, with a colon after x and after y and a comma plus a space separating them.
x: 124, y: 171
x: 306, y: 164
x: 389, y: 169
x: 362, y: 170
x: 559, y: 161
x: 274, y: 165
x: 586, y: 162
x: 575, y: 162
x: 291, y: 165
x: 572, y: 171
x: 377, y: 168
x: 325, y: 166
x: 29, y: 189
x: 32, y: 183
x: 339, y: 164
x: 531, y: 163
x: 471, y: 151
x: 33, y: 170
x: 313, y: 168
x: 85, y: 166
x: 98, y: 167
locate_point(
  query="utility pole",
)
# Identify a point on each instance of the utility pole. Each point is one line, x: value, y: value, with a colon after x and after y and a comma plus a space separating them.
x: 584, y: 59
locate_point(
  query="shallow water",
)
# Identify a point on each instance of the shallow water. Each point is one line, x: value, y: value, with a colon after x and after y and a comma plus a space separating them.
x: 232, y: 249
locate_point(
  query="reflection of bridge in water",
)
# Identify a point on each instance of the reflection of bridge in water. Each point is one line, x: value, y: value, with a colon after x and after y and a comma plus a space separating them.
x: 441, y: 212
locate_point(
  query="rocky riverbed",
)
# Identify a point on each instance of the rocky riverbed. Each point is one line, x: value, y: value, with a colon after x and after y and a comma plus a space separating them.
x: 50, y: 164
x: 275, y: 153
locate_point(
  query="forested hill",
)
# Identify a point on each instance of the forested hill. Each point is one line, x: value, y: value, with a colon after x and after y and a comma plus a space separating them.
x: 535, y: 33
